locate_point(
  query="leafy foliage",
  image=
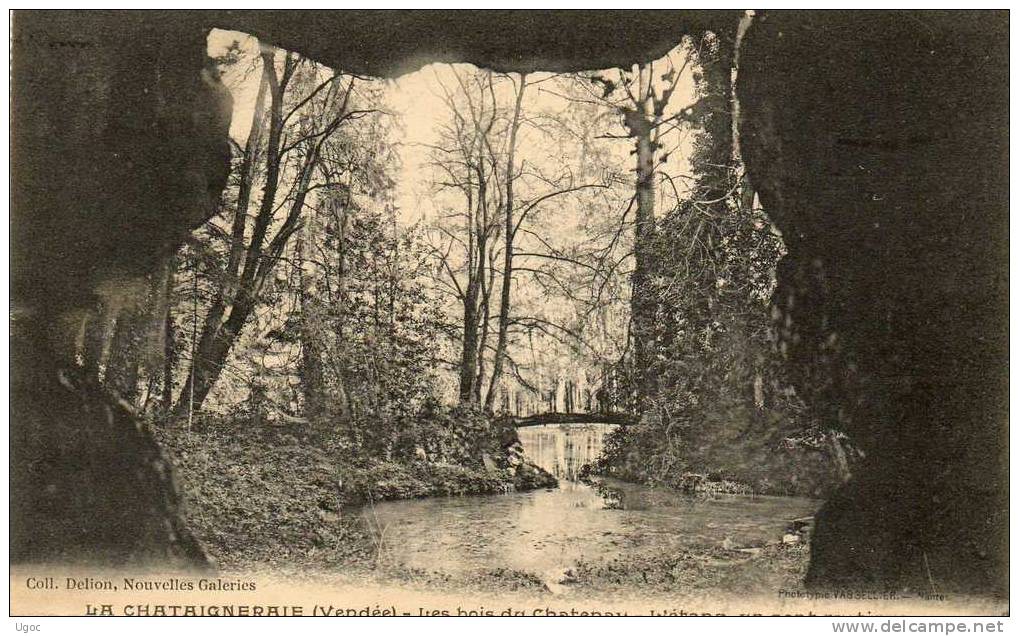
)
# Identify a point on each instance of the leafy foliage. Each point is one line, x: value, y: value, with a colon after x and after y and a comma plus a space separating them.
x: 713, y: 396
x: 258, y: 495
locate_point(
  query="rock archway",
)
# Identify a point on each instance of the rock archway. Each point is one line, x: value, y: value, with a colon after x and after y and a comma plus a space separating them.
x: 878, y: 143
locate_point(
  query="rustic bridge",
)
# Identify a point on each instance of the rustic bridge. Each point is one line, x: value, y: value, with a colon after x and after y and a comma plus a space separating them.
x: 540, y: 419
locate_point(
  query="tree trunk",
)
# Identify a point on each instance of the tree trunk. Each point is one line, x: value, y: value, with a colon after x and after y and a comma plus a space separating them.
x: 208, y: 362
x: 229, y: 284
x: 469, y: 355
x: 472, y: 309
x: 216, y: 339
x: 169, y: 350
x: 339, y: 381
x: 508, y: 235
x: 642, y: 306
x: 211, y: 361
x: 486, y: 314
x: 310, y: 372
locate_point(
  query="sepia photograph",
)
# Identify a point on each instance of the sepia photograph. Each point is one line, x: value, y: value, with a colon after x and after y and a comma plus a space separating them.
x: 512, y: 313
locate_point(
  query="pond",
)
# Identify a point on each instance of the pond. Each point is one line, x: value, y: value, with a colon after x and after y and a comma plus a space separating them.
x: 548, y: 531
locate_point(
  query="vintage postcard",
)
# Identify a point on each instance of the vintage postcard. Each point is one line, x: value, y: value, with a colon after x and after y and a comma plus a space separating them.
x: 510, y: 313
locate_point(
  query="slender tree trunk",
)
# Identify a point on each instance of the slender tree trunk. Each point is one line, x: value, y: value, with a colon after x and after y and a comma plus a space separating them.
x: 642, y: 305
x: 469, y: 355
x: 216, y: 340
x: 169, y: 349
x: 229, y: 283
x: 339, y: 380
x: 211, y: 362
x: 486, y: 315
x: 311, y: 374
x: 472, y: 308
x: 251, y: 147
x: 509, y: 234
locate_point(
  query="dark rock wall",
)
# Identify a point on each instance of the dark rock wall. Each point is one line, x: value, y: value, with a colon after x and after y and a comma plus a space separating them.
x: 120, y: 145
x: 120, y: 148
x: 89, y: 483
x: 389, y: 43
x: 879, y: 145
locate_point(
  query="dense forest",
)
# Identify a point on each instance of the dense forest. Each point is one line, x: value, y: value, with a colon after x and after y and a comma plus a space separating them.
x: 399, y: 268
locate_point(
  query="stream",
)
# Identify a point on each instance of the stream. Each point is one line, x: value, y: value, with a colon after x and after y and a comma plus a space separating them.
x: 547, y: 531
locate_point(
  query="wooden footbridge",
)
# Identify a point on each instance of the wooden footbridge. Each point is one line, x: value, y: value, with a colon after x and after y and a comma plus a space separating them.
x: 540, y: 419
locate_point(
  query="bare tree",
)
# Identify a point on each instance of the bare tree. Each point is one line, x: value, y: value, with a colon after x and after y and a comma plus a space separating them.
x: 464, y: 160
x: 477, y: 160
x: 642, y: 100
x: 300, y: 156
x: 509, y: 234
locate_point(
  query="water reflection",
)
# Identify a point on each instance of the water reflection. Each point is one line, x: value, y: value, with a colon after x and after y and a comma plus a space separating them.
x: 547, y: 530
x: 563, y: 449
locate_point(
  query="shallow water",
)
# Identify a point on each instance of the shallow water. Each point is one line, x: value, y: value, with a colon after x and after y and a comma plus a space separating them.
x: 550, y: 530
